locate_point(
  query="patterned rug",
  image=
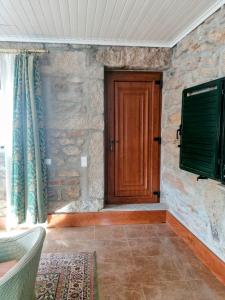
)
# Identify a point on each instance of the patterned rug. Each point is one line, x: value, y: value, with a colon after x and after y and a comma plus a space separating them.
x: 67, y: 277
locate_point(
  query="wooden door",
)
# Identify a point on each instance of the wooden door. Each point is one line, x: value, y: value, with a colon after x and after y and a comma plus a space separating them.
x: 132, y: 145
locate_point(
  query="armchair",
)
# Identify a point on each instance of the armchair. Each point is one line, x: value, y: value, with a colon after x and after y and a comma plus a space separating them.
x: 19, y: 282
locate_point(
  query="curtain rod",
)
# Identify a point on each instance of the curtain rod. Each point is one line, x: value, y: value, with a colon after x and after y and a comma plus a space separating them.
x: 4, y: 50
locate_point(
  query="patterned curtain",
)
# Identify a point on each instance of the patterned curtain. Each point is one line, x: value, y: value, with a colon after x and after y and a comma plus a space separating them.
x: 28, y: 201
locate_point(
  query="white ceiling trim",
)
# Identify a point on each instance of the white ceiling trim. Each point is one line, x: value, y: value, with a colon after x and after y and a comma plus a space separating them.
x: 118, y: 41
x: 198, y: 21
x: 100, y: 42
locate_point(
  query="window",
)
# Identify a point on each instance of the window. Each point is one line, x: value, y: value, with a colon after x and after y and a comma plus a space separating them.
x: 6, y: 98
x: 202, y: 130
x: 3, y: 120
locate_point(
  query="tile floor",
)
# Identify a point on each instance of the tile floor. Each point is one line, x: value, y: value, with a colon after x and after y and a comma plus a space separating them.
x: 139, y: 262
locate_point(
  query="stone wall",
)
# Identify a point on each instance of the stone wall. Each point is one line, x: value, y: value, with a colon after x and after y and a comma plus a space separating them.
x: 73, y: 94
x: 73, y: 97
x: 198, y: 58
x: 73, y: 91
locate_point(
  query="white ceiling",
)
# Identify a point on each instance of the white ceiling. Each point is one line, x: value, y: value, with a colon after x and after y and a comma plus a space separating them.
x: 153, y: 23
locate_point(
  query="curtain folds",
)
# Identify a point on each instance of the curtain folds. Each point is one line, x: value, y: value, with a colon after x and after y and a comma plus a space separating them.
x: 29, y: 182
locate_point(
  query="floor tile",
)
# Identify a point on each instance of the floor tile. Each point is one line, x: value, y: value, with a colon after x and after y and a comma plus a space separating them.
x: 110, y: 252
x: 120, y: 292
x: 112, y: 272
x: 203, y: 290
x: 176, y: 246
x: 139, y: 262
x: 146, y: 247
x: 163, y: 230
x: 177, y: 290
x: 191, y: 267
x: 110, y: 233
x: 73, y: 233
x: 68, y: 245
x: 154, y: 269
x: 138, y: 231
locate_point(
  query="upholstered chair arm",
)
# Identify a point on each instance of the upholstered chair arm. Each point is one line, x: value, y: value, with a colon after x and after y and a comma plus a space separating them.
x: 18, y: 282
x: 10, y: 249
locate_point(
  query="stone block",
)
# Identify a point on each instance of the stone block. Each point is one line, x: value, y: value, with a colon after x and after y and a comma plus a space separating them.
x: 64, y: 181
x: 70, y: 193
x: 79, y: 122
x: 60, y: 207
x: 71, y: 150
x: 96, y: 96
x: 58, y: 161
x: 93, y: 205
x: 96, y: 169
x: 67, y: 141
x: 65, y: 62
x: 70, y: 172
x: 96, y: 122
x: 174, y: 119
x: 134, y: 57
x: 216, y: 36
x: 54, y: 194
x: 169, y: 135
x: 80, y: 142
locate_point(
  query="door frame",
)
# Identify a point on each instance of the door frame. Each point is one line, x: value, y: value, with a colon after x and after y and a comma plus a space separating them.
x: 132, y: 74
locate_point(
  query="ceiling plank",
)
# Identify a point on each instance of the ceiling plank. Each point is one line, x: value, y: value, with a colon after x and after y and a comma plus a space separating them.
x: 91, y: 17
x: 65, y: 16
x: 73, y: 10
x: 147, y: 23
x: 82, y: 17
x: 37, y: 13
x: 47, y: 13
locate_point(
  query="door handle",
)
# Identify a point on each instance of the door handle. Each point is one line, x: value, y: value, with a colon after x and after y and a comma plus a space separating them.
x: 111, y: 143
x: 157, y: 139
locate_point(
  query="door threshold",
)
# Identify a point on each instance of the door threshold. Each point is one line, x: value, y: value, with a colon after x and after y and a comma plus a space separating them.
x: 135, y: 207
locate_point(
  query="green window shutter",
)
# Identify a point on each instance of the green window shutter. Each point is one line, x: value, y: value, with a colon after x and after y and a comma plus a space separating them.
x: 200, y: 151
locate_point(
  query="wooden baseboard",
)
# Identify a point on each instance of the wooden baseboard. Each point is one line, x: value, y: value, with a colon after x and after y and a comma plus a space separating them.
x: 210, y: 260
x: 106, y: 218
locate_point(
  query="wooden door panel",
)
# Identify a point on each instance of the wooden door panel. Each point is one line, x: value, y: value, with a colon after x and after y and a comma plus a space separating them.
x: 132, y: 121
x: 131, y: 135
